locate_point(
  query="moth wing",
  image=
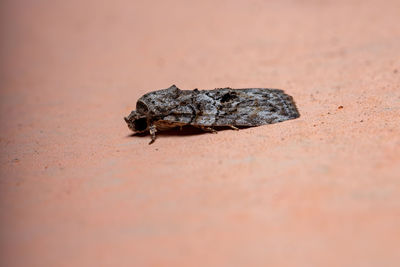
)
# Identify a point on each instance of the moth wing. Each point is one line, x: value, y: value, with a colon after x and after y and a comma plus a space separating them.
x: 225, y: 107
x: 245, y: 107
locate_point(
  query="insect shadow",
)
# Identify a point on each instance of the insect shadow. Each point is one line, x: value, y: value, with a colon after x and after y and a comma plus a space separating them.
x: 186, y: 130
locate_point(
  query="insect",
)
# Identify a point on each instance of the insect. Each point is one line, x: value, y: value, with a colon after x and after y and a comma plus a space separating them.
x: 168, y: 108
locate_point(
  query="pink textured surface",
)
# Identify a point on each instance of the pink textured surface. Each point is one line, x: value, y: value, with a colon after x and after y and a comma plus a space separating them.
x: 77, y: 190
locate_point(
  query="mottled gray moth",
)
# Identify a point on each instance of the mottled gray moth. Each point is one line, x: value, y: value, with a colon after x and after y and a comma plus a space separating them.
x: 168, y: 108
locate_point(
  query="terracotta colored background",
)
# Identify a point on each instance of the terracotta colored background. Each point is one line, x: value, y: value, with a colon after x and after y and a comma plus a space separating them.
x: 77, y: 190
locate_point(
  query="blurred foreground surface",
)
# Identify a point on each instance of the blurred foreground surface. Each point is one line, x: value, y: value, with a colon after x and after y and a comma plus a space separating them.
x: 77, y: 190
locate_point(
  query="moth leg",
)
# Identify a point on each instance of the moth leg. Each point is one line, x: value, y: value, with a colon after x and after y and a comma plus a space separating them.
x: 208, y: 129
x: 153, y: 131
x: 233, y: 127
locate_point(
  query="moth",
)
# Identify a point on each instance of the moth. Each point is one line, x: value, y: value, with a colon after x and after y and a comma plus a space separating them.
x: 169, y: 108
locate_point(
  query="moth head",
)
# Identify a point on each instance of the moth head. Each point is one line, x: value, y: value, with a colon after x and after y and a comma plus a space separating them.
x: 137, y: 122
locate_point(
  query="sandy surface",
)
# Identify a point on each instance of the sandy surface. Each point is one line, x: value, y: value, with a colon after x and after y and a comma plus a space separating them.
x: 77, y: 190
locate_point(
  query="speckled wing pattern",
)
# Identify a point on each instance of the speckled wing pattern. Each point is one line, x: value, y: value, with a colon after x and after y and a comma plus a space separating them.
x: 220, y: 107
